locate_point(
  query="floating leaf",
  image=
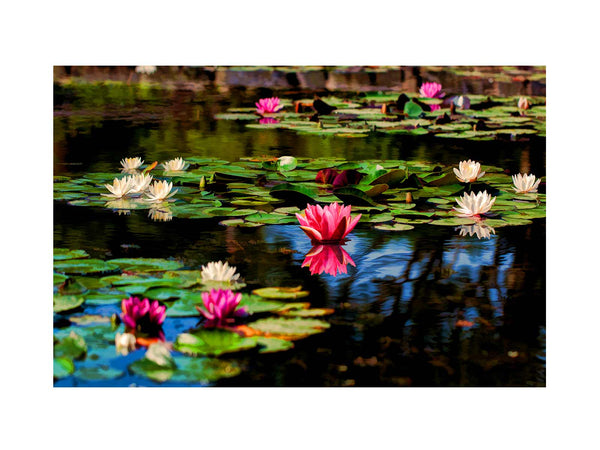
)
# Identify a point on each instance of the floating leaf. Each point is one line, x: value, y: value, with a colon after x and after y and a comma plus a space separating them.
x: 272, y: 345
x: 294, y: 193
x: 394, y: 227
x: 145, y: 264
x: 353, y: 196
x: 84, y: 266
x: 63, y: 367
x: 287, y: 328
x: 281, y: 292
x: 453, y: 221
x: 313, y: 312
x: 98, y: 372
x: 71, y: 347
x: 63, y: 253
x: 212, y: 342
x: 64, y: 303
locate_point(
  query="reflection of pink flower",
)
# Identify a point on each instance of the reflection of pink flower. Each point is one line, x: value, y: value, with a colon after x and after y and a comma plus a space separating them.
x: 268, y: 121
x: 329, y: 224
x: 431, y: 90
x: 142, y: 314
x: 220, y: 307
x: 268, y: 105
x: 434, y: 107
x: 331, y: 259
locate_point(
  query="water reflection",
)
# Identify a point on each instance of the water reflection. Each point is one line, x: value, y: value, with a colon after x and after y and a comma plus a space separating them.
x: 268, y: 121
x: 480, y: 229
x: 160, y: 213
x: 331, y: 259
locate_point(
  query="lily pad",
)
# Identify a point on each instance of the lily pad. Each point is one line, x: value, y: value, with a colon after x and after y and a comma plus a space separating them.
x: 84, y: 266
x: 145, y: 264
x: 281, y: 292
x: 64, y: 303
x: 394, y: 227
x: 212, y: 342
x: 287, y: 328
x: 64, y: 253
x: 63, y: 367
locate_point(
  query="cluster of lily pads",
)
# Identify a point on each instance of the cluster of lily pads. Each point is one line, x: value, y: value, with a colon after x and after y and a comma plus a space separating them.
x: 431, y: 112
x: 392, y: 195
x: 153, y: 291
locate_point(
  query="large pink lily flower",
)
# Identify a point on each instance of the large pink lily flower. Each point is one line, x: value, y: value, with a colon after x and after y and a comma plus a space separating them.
x: 142, y: 314
x: 329, y: 224
x: 431, y: 90
x: 221, y: 307
x: 331, y: 259
x: 268, y: 105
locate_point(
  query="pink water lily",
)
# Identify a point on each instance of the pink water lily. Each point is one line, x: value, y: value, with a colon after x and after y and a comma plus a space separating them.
x: 142, y: 314
x: 329, y: 224
x: 221, y: 307
x: 431, y: 90
x: 331, y: 259
x: 268, y: 105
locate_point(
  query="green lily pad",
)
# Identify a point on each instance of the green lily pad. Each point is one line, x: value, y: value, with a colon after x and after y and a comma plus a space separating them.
x: 312, y: 312
x: 98, y: 372
x: 294, y: 328
x: 453, y: 221
x: 269, y: 218
x: 187, y: 370
x: 281, y: 292
x: 71, y: 347
x: 296, y: 193
x: 59, y: 278
x: 64, y: 303
x: 272, y: 345
x: 212, y: 342
x: 257, y: 304
x: 145, y: 264
x: 353, y: 196
x: 63, y: 253
x: 63, y: 367
x: 394, y: 227
x: 84, y: 266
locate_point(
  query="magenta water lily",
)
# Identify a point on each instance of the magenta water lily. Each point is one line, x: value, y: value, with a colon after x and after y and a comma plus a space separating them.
x: 143, y: 314
x: 221, y: 307
x: 431, y: 90
x: 329, y: 224
x: 268, y: 105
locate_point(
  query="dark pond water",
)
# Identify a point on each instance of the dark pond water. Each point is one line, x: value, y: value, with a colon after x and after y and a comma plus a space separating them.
x: 425, y: 307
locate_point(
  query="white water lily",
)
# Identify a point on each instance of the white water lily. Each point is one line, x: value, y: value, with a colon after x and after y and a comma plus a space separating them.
x: 160, y: 214
x: 525, y: 183
x: 120, y: 187
x: 175, y: 165
x: 140, y: 182
x: 159, y: 191
x: 468, y: 171
x: 474, y: 204
x: 480, y: 230
x: 219, y: 271
x: 124, y: 343
x: 131, y: 163
x: 523, y: 103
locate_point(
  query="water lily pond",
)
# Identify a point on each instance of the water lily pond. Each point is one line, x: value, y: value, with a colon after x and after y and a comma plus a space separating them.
x: 247, y: 236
